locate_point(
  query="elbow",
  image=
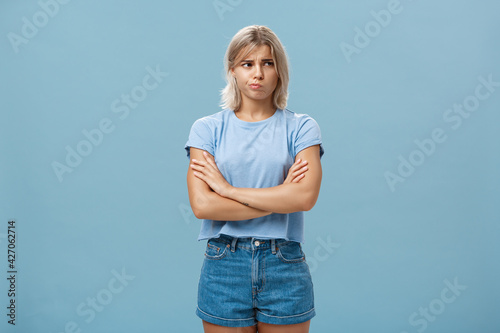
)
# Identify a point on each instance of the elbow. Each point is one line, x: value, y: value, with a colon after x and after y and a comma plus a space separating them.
x: 308, y: 206
x: 309, y: 201
x: 197, y: 212
x: 199, y: 207
x: 200, y: 213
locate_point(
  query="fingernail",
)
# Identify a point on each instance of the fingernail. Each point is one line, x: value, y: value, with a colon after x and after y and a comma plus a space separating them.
x: 194, y: 160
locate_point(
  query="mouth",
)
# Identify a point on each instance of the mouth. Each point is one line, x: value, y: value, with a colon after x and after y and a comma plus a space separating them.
x: 255, y: 86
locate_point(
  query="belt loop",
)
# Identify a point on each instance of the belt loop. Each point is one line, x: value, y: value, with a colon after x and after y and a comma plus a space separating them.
x: 273, y: 246
x: 233, y: 244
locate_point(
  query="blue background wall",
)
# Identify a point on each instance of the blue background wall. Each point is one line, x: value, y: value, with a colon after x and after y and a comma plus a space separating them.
x: 404, y: 236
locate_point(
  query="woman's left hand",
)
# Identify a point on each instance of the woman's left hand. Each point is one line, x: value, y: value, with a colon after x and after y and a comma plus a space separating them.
x: 209, y: 172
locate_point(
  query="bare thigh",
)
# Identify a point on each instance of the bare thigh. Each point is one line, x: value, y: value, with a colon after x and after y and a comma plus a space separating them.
x: 296, y: 328
x: 212, y: 328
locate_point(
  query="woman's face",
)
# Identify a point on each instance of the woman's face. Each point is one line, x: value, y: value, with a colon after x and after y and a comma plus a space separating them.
x: 256, y: 75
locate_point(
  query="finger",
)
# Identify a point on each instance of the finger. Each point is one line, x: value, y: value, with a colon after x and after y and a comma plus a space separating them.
x: 293, y: 168
x: 294, y: 177
x: 207, y: 156
x: 198, y: 162
x: 299, y: 161
x: 196, y: 167
x: 298, y: 171
x: 206, y: 164
x: 292, y: 173
x: 203, y: 177
x: 198, y: 175
x: 210, y: 160
x: 301, y: 170
x: 211, y: 164
x: 297, y: 179
x: 298, y: 164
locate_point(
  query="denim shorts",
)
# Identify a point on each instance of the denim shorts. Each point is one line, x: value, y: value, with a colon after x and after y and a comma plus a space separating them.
x: 246, y: 280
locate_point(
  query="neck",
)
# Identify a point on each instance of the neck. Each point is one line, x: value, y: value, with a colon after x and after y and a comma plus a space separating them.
x: 256, y: 110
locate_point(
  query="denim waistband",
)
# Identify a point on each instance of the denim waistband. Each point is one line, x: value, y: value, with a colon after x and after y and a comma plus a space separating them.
x: 251, y: 242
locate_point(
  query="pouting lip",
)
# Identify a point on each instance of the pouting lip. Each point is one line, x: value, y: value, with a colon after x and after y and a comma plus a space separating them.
x: 255, y: 84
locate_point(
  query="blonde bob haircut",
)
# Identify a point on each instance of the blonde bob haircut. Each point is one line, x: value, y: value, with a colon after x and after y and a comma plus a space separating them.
x: 248, y: 38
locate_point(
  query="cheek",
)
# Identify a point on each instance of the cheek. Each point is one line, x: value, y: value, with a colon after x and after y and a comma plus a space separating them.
x: 241, y: 79
x: 275, y: 81
x: 241, y: 83
x: 274, y: 76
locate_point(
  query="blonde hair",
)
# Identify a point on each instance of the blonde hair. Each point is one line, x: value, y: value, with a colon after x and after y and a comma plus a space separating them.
x: 252, y: 36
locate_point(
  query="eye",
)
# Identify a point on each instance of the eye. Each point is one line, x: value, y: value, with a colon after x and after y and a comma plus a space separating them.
x: 269, y: 63
x: 245, y: 64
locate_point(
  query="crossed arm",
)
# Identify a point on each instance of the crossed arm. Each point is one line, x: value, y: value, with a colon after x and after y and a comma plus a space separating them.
x: 212, y: 197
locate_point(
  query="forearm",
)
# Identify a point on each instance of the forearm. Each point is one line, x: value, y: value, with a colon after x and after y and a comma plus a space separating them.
x: 212, y: 206
x: 282, y: 199
x: 288, y: 197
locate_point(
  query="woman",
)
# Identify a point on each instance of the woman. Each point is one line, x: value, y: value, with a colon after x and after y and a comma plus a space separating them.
x: 255, y: 168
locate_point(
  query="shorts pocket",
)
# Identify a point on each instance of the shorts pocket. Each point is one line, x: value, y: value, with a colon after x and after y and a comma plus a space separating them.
x: 216, y: 250
x: 291, y: 252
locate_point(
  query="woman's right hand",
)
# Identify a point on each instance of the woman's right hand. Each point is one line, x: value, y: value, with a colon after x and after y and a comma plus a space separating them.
x: 297, y: 172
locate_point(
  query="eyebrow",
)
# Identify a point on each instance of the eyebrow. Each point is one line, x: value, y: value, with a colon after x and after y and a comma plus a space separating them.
x: 252, y: 60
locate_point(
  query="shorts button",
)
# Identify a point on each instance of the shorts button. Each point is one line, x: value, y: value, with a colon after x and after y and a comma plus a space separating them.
x: 257, y: 243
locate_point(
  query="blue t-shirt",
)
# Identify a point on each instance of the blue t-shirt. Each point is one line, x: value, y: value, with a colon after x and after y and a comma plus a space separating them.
x: 255, y: 155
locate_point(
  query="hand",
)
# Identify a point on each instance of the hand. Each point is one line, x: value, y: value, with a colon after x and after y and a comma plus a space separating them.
x: 297, y: 172
x: 209, y: 172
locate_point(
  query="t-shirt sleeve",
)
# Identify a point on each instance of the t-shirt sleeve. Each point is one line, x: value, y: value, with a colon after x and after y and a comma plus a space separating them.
x: 308, y: 134
x: 200, y: 136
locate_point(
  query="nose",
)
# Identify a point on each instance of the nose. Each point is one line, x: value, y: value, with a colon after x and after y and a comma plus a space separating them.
x: 259, y: 74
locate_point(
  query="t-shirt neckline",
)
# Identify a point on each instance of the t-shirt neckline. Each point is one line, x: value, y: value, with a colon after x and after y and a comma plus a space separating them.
x: 253, y: 123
